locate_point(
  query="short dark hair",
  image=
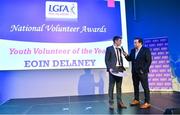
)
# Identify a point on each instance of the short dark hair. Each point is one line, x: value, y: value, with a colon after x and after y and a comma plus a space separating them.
x: 116, y: 38
x: 140, y: 40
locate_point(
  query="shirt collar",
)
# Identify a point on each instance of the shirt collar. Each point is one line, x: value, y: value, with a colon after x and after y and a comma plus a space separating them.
x: 116, y: 47
x: 139, y: 48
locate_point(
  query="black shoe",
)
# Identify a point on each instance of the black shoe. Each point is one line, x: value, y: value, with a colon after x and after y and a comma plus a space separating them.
x: 111, y: 106
x: 121, y: 106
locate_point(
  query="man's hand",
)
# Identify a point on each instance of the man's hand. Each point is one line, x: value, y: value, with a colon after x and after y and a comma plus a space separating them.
x: 125, y: 54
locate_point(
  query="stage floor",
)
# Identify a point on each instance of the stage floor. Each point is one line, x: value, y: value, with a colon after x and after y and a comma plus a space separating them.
x: 95, y: 104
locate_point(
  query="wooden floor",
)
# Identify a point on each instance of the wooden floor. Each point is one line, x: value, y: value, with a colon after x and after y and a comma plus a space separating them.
x: 95, y: 104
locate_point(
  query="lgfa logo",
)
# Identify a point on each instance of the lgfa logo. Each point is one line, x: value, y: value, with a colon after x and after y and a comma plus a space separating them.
x: 61, y: 10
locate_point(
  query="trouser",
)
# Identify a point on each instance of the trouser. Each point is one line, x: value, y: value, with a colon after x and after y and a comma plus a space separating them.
x: 112, y: 81
x: 143, y: 79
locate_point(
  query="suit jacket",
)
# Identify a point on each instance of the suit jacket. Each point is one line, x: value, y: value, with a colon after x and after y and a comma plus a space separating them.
x: 111, y: 59
x: 142, y: 62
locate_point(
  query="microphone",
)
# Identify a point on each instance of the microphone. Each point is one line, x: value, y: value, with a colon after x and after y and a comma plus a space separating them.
x: 122, y: 49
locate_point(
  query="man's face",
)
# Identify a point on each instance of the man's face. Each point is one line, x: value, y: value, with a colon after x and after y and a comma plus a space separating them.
x: 118, y: 42
x: 137, y: 44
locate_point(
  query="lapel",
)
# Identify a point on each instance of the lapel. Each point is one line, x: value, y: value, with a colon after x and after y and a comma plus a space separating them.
x: 139, y: 54
x: 114, y: 52
x: 133, y: 53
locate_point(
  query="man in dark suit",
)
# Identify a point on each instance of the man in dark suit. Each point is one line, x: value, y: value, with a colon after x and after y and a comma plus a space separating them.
x: 114, y: 63
x: 141, y: 60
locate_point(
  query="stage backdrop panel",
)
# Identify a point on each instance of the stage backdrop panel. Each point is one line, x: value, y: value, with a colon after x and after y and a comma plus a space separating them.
x: 160, y: 73
x: 58, y: 34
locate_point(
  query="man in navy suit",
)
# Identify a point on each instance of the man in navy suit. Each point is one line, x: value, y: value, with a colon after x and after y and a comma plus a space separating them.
x: 114, y: 63
x: 141, y: 60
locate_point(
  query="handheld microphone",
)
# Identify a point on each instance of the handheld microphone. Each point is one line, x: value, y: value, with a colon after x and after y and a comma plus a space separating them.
x: 122, y: 49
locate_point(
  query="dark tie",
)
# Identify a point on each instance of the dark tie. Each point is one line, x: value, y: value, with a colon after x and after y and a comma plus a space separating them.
x: 118, y: 55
